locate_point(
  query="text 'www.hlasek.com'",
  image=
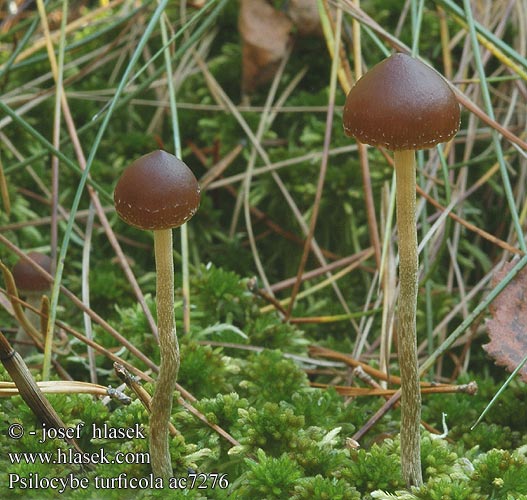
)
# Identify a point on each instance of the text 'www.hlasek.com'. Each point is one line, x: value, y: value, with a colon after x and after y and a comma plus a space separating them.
x: 83, y: 461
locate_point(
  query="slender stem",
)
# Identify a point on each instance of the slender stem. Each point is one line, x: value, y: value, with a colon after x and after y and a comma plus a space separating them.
x: 185, y: 289
x: 407, y: 305
x: 25, y: 344
x: 169, y: 366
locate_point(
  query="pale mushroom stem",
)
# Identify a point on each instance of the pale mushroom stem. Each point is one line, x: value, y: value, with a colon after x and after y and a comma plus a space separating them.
x: 25, y: 345
x: 407, y: 305
x: 161, y: 405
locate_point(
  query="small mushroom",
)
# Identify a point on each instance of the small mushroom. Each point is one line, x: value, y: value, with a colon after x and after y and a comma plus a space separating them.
x: 404, y: 105
x: 159, y: 192
x: 32, y: 285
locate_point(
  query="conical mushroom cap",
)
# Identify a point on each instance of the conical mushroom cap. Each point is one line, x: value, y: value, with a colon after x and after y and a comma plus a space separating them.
x: 157, y: 191
x: 401, y: 104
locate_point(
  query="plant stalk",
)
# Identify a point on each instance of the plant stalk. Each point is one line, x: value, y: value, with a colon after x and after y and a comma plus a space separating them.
x: 407, y: 305
x: 161, y: 405
x: 24, y: 343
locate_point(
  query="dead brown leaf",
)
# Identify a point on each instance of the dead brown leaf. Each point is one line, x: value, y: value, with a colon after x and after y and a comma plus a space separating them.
x: 304, y: 14
x: 265, y: 33
x: 508, y: 328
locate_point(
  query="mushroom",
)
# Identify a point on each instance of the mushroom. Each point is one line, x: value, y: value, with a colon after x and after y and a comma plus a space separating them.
x: 159, y: 192
x: 404, y: 105
x: 33, y: 285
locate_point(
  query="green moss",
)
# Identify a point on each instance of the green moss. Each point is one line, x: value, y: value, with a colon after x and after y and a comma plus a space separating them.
x: 223, y: 409
x: 269, y: 477
x: 500, y: 473
x: 223, y: 295
x: 323, y: 488
x: 203, y: 371
x: 443, y: 488
x: 325, y: 408
x: 272, y: 427
x: 488, y: 436
x: 272, y: 378
x: 377, y: 468
x: 293, y: 438
x: 437, y: 457
x: 271, y: 332
x: 320, y: 452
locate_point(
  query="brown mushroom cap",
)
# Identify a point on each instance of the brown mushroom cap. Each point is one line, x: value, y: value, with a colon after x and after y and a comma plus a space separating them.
x: 401, y: 104
x: 27, y: 278
x: 157, y: 191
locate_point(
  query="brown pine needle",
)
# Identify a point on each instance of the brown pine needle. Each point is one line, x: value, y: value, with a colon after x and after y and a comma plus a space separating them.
x: 344, y: 390
x: 9, y: 389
